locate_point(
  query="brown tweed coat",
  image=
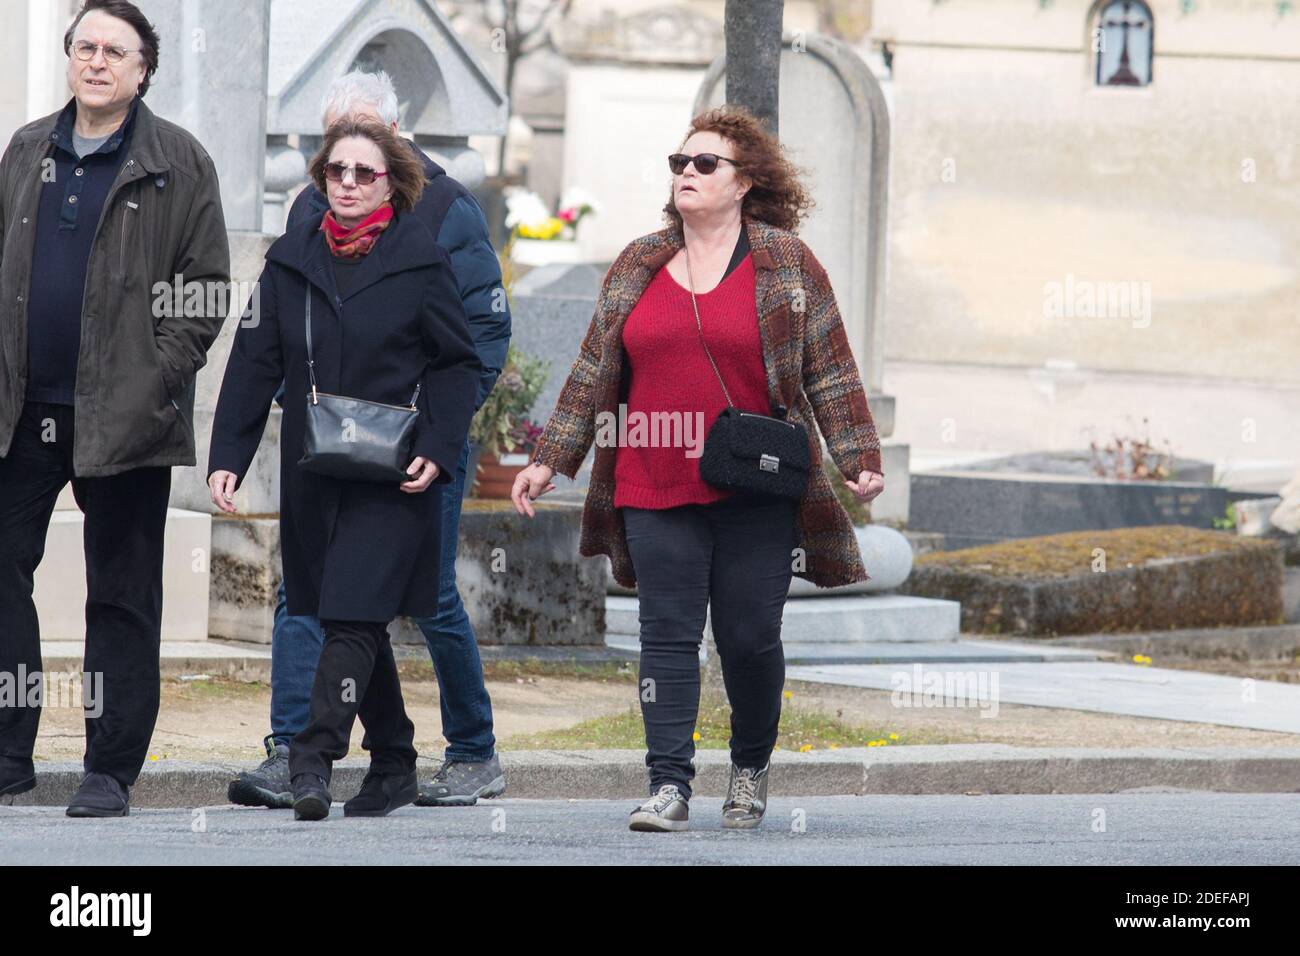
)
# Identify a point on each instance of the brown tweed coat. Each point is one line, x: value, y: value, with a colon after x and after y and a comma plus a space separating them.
x: 804, y: 344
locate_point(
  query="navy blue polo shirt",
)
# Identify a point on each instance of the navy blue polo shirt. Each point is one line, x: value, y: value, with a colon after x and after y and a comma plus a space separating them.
x: 66, y: 220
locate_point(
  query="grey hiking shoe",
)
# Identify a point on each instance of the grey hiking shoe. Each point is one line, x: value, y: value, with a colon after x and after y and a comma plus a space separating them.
x: 665, y: 810
x: 268, y: 785
x: 746, y: 798
x: 461, y: 783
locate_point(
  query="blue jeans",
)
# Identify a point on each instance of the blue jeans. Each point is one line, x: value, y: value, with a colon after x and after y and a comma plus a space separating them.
x: 466, y: 708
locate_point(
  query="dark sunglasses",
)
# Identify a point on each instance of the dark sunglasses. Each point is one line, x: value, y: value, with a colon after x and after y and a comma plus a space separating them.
x: 362, y: 174
x: 705, y: 163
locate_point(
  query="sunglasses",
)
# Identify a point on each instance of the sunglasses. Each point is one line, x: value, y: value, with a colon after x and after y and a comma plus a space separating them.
x: 362, y: 174
x: 705, y: 163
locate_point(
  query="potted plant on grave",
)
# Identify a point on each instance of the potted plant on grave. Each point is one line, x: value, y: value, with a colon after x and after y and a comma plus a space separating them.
x: 502, y: 430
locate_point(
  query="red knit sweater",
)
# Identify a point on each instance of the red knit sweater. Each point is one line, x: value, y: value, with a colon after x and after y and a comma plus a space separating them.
x: 671, y: 373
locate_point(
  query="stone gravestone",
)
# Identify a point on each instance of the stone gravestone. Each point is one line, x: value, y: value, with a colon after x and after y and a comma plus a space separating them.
x: 444, y: 93
x: 632, y: 77
x: 988, y: 502
x: 551, y: 309
x: 825, y: 86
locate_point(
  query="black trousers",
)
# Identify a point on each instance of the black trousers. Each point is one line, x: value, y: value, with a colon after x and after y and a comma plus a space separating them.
x: 125, y: 516
x: 356, y: 677
x: 735, y: 557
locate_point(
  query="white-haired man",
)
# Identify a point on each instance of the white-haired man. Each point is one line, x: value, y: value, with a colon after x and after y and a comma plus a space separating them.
x: 470, y: 769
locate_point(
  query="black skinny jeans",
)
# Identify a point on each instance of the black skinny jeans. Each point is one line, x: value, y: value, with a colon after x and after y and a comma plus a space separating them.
x: 734, y: 556
x: 356, y: 677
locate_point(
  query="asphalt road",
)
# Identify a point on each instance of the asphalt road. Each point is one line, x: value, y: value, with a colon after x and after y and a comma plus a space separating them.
x: 1116, y: 829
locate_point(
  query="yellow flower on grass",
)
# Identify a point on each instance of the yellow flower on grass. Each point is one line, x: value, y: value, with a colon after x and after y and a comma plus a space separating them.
x: 834, y: 747
x: 1141, y: 659
x: 805, y: 748
x: 789, y: 695
x: 893, y: 736
x: 696, y: 736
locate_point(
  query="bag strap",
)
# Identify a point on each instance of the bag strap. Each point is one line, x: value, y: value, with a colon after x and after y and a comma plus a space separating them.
x: 690, y: 278
x: 311, y: 362
x: 699, y: 328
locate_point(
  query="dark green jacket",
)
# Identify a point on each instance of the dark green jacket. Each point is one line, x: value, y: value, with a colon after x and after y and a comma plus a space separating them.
x: 139, y: 353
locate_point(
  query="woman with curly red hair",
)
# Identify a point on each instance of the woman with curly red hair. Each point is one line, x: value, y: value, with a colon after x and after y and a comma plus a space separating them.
x: 723, y: 310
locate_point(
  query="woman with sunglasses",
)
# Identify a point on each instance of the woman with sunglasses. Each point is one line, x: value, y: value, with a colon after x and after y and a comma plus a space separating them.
x: 375, y: 293
x: 725, y: 306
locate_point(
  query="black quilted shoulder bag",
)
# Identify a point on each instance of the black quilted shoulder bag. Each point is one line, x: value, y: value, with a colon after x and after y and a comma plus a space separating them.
x: 352, y: 438
x: 746, y: 451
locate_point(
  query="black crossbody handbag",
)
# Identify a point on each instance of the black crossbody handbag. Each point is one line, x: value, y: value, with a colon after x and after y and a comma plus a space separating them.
x: 746, y: 451
x: 352, y: 438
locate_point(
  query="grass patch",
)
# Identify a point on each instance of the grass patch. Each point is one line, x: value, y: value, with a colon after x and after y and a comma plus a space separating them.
x: 212, y: 689
x: 509, y: 670
x: 1074, y: 553
x: 801, y: 729
x: 603, y: 671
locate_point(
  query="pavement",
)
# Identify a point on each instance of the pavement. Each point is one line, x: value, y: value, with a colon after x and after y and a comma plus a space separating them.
x: 945, y: 769
x: 1107, y: 687
x: 1082, y: 673
x: 1113, y: 829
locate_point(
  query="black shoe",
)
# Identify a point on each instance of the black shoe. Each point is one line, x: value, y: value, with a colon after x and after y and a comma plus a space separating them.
x: 382, y: 793
x: 311, y: 797
x: 100, y: 795
x: 16, y: 776
x: 268, y: 785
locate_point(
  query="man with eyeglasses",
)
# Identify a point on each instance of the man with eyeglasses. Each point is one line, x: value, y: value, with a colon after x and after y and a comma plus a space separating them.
x: 471, y: 769
x: 99, y: 203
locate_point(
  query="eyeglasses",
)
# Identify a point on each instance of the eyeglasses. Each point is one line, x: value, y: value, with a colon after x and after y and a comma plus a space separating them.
x: 362, y: 174
x: 85, y: 50
x: 705, y: 163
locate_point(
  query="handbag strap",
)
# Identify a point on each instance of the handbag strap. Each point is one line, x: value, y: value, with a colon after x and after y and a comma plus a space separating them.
x: 690, y: 278
x: 311, y: 361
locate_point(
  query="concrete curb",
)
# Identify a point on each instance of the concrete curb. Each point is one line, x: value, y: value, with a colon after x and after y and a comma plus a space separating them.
x: 937, y: 769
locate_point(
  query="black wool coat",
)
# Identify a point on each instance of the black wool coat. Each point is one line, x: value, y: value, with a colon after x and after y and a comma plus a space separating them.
x: 353, y: 550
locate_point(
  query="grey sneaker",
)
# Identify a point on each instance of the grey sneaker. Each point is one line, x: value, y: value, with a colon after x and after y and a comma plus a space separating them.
x: 268, y: 785
x: 461, y: 783
x: 746, y: 798
x: 665, y: 810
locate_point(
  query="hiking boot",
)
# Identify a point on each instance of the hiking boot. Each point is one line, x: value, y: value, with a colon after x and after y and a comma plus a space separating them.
x: 268, y: 785
x: 99, y: 796
x: 665, y: 810
x: 311, y: 797
x: 746, y: 798
x: 460, y: 783
x: 381, y: 794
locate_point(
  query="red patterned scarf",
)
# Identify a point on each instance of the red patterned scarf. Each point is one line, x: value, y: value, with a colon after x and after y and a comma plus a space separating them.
x: 355, y: 242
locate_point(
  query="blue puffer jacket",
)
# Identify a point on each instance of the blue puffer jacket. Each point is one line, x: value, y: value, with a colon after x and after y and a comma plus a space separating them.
x: 455, y: 219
